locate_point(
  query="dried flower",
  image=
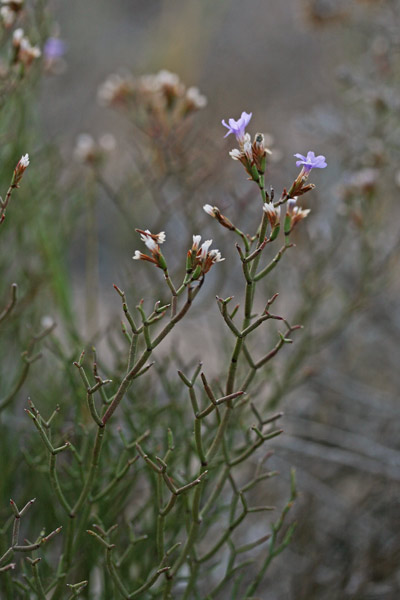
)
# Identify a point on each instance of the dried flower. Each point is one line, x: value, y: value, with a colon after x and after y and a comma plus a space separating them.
x: 238, y: 127
x: 310, y: 162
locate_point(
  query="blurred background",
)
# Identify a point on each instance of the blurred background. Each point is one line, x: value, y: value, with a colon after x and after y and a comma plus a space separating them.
x: 319, y: 75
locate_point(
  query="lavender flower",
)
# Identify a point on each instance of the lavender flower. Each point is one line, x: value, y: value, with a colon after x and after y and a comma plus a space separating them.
x: 238, y: 127
x: 54, y: 48
x: 310, y: 162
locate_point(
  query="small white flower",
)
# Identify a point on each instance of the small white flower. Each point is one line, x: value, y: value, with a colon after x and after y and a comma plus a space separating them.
x: 270, y: 209
x: 137, y: 255
x: 117, y: 86
x: 301, y: 212
x: 46, y: 322
x: 209, y: 209
x: 8, y: 16
x: 196, y: 241
x: 149, y: 84
x: 291, y: 203
x: 85, y: 147
x: 235, y: 154
x: 107, y: 142
x: 160, y: 237
x: 167, y: 78
x: 24, y: 161
x: 150, y: 243
x: 215, y: 256
x: 247, y: 149
x: 17, y: 36
x: 194, y: 96
x: 204, y: 248
x: 27, y: 51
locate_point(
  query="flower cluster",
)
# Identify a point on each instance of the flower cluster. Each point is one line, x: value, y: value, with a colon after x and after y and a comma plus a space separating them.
x: 253, y: 158
x: 152, y: 241
x: 251, y: 155
x: 24, y: 52
x: 200, y: 259
x: 157, y: 93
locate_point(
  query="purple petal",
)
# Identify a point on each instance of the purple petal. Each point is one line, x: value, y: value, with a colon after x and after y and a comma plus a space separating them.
x: 246, y: 117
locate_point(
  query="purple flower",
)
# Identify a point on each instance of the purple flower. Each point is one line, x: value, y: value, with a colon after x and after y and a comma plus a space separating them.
x: 310, y: 162
x: 54, y: 48
x: 238, y: 127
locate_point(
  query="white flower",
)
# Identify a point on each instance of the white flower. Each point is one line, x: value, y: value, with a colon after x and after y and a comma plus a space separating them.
x: 204, y: 248
x: 247, y: 149
x: 196, y: 241
x: 8, y: 16
x: 291, y: 203
x: 157, y: 237
x: 215, y: 256
x: 24, y: 161
x: 46, y: 322
x: 209, y: 210
x: 107, y: 142
x: 149, y: 84
x: 116, y: 87
x: 137, y: 255
x: 17, y: 36
x: 85, y: 147
x: 235, y: 154
x: 165, y: 77
x: 150, y: 243
x: 270, y: 209
x: 26, y: 52
x: 194, y: 96
x: 301, y: 213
